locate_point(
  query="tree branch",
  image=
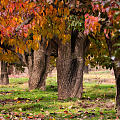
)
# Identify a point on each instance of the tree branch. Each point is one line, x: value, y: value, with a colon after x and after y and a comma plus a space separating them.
x: 25, y: 22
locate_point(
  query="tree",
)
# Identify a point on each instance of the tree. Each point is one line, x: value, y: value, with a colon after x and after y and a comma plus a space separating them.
x: 48, y: 20
x: 4, y: 80
x: 39, y: 65
x: 70, y: 64
x: 86, y: 69
x: 71, y: 55
x: 38, y: 69
x: 112, y: 37
x: 109, y: 14
x: 18, y: 35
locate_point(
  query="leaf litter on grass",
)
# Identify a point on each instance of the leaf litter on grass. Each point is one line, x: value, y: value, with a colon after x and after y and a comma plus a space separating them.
x: 97, y: 103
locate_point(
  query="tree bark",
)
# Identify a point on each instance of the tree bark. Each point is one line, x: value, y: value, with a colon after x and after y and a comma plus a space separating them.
x: 63, y: 65
x: 80, y: 57
x: 116, y: 68
x: 4, y: 80
x: 38, y: 65
x: 86, y: 69
x: 70, y: 65
x: 117, y: 77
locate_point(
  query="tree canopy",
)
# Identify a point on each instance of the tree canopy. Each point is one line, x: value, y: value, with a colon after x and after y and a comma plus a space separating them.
x: 24, y: 22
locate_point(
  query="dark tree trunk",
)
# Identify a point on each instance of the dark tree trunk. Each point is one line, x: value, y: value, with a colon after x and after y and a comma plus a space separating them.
x: 4, y: 80
x: 117, y: 78
x: 70, y: 65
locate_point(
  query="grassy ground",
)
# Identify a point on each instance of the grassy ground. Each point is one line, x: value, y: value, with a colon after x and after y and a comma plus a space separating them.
x: 18, y: 103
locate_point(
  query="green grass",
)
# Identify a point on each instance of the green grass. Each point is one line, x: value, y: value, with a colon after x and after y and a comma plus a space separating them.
x: 95, y: 91
x: 18, y: 80
x: 97, y: 102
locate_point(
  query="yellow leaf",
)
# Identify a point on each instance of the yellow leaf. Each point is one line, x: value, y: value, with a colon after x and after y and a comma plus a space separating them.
x: 11, y: 41
x: 27, y: 100
x: 20, y: 20
x: 31, y: 90
x: 33, y: 27
x: 15, y: 98
x: 16, y: 49
x: 39, y: 37
x: 18, y: 102
x: 36, y: 46
x: 15, y: 19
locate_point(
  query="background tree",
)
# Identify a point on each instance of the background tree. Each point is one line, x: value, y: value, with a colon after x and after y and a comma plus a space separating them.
x: 109, y: 14
x: 4, y: 80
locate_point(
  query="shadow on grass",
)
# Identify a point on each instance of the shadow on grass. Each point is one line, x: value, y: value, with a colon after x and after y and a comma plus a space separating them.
x: 51, y: 88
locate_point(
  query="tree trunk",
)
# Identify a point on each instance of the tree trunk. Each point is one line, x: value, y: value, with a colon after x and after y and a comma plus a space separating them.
x: 116, y: 68
x: 38, y: 65
x: 117, y: 77
x: 4, y: 80
x: 80, y: 58
x: 70, y: 65
x: 63, y: 66
x: 86, y: 69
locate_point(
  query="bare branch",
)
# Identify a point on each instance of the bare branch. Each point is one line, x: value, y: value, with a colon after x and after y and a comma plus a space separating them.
x: 25, y: 22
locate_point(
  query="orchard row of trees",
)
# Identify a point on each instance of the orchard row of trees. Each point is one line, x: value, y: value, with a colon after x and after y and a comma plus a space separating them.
x: 70, y: 34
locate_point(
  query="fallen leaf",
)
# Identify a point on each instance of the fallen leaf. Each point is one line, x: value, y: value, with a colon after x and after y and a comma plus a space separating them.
x: 66, y: 112
x: 27, y: 100
x: 20, y: 109
x: 30, y: 117
x: 18, y: 102
x: 47, y: 113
